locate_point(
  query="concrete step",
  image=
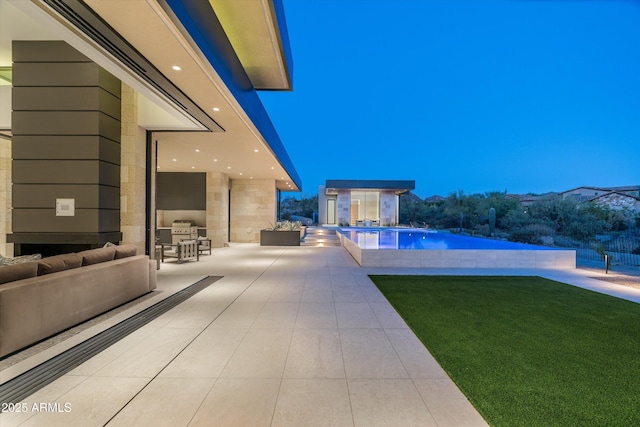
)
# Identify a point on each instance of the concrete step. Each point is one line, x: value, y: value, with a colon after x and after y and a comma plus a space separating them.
x: 319, y: 236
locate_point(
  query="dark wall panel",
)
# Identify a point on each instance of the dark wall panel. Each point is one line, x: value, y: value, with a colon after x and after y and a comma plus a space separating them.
x: 84, y: 221
x: 65, y: 123
x: 66, y: 144
x: 46, y: 51
x: 65, y: 147
x: 65, y: 172
x: 43, y: 196
x: 55, y: 74
x: 181, y: 191
x: 66, y: 99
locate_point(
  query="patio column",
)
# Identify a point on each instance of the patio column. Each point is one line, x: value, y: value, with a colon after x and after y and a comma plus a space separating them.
x: 388, y: 211
x: 132, y: 173
x: 344, y: 207
x: 217, y: 209
x: 253, y: 207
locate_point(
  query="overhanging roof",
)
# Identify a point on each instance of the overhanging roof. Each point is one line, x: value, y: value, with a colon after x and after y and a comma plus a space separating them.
x: 143, y: 40
x: 264, y: 51
x: 353, y: 184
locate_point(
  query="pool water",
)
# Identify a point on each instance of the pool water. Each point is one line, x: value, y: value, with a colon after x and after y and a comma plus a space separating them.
x: 414, y: 239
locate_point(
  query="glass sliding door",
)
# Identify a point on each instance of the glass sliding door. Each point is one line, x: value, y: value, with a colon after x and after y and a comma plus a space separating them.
x: 372, y: 206
x: 365, y: 207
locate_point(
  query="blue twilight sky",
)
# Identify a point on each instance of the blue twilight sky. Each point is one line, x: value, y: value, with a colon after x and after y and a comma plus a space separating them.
x: 473, y: 95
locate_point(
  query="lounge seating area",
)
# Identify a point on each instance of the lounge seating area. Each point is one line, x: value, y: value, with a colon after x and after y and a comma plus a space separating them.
x: 43, y: 297
x: 204, y: 245
x: 185, y: 250
x: 368, y: 223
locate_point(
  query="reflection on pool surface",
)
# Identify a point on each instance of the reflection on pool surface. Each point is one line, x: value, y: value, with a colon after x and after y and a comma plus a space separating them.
x: 414, y: 239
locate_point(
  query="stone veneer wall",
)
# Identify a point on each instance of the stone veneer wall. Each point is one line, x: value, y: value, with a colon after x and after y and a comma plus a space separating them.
x: 388, y: 200
x: 132, y: 173
x: 343, y: 214
x: 6, y: 249
x: 217, y: 208
x: 253, y: 207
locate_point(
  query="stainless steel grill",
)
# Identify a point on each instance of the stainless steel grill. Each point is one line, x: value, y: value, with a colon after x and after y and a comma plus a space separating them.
x: 183, y: 230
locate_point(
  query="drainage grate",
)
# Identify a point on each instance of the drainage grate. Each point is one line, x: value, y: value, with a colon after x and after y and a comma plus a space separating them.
x: 22, y: 386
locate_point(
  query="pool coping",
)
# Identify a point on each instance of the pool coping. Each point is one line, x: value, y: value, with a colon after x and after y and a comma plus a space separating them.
x: 561, y: 259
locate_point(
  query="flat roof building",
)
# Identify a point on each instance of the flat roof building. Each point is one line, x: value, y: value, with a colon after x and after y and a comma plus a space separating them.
x: 361, y: 202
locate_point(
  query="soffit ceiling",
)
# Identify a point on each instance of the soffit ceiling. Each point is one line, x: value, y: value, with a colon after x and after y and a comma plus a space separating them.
x: 260, y: 50
x: 239, y: 151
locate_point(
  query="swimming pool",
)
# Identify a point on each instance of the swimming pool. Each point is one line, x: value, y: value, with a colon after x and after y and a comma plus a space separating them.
x: 420, y: 248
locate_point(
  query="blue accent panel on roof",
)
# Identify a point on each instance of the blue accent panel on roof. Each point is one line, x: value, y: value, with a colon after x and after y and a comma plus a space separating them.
x: 284, y: 36
x: 202, y: 24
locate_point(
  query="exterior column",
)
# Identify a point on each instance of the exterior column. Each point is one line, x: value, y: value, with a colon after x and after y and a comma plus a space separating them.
x: 6, y: 249
x: 388, y: 208
x: 132, y: 173
x: 65, y: 149
x: 253, y: 208
x: 217, y: 209
x: 344, y: 207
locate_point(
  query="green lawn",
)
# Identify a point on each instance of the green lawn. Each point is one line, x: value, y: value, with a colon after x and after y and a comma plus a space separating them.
x: 528, y: 351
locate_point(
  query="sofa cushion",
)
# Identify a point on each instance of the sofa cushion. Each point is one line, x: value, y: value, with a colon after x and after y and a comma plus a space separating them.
x: 124, y: 251
x: 24, y: 270
x: 19, y: 259
x: 96, y: 256
x: 59, y: 263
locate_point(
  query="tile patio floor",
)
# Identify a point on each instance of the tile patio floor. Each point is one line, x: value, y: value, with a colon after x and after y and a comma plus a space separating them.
x: 288, y: 337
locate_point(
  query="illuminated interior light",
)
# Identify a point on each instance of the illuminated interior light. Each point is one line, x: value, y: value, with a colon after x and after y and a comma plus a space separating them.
x: 176, y: 67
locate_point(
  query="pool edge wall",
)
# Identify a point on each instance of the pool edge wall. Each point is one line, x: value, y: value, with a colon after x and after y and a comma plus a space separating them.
x: 559, y: 259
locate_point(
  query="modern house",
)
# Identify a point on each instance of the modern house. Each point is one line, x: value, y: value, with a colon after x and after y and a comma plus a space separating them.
x: 616, y: 198
x: 119, y: 118
x: 617, y: 201
x: 361, y: 202
x: 585, y: 193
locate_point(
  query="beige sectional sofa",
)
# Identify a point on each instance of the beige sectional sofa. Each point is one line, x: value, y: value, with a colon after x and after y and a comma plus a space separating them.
x: 41, y: 298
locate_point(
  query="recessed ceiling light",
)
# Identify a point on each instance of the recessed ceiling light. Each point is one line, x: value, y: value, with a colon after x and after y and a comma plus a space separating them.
x: 216, y: 109
x: 176, y: 67
x: 175, y: 160
x: 215, y: 160
x: 240, y: 173
x: 193, y: 167
x: 197, y: 150
x: 255, y: 151
x: 272, y: 168
x: 228, y: 167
